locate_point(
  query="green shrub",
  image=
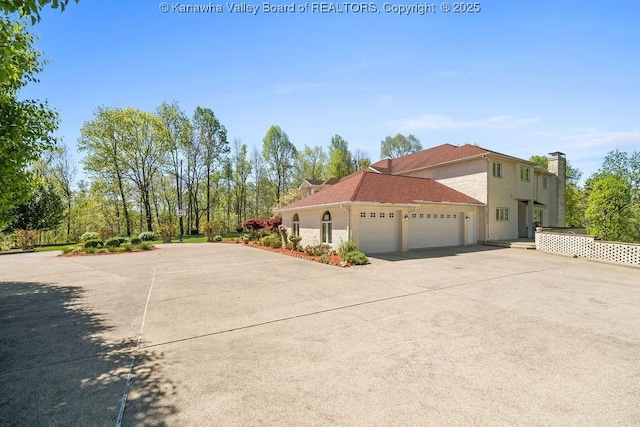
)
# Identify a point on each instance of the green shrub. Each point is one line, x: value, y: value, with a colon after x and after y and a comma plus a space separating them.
x: 271, y: 240
x: 122, y: 239
x: 114, y: 242
x: 112, y: 248
x: 89, y: 250
x: 135, y: 241
x: 69, y: 249
x: 211, y: 230
x: 127, y: 247
x: 345, y: 247
x: 145, y: 246
x: 317, y: 250
x: 324, y: 258
x: 217, y: 238
x: 89, y: 235
x: 148, y: 236
x: 239, y: 229
x: 356, y: 258
x: 166, y: 232
x: 94, y: 243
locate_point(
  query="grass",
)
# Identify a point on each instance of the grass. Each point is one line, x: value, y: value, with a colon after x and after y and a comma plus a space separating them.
x: 52, y: 247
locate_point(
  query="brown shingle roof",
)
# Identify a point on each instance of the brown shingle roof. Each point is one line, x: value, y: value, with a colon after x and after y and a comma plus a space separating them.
x: 429, y: 157
x: 366, y: 186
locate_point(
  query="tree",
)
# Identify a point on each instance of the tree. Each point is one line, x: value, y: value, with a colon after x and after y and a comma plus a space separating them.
x: 241, y: 171
x: 609, y: 208
x: 279, y: 154
x: 26, y: 126
x: 43, y: 210
x: 178, y: 133
x: 339, y: 158
x: 63, y: 173
x: 103, y: 139
x: 398, y: 146
x: 360, y: 160
x: 31, y: 8
x: 212, y: 136
x: 311, y: 164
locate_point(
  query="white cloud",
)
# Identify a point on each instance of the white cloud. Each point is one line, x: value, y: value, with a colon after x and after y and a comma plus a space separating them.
x: 442, y: 122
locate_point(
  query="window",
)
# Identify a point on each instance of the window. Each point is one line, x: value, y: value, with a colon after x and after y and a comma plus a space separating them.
x: 544, y: 182
x: 502, y: 214
x: 497, y: 170
x: 448, y: 215
x: 524, y: 173
x: 296, y: 225
x: 422, y: 215
x: 381, y: 214
x: 363, y: 214
x: 372, y: 214
x: 441, y: 215
x: 326, y: 227
x: 537, y: 218
x: 414, y: 215
x: 455, y: 216
x: 391, y: 215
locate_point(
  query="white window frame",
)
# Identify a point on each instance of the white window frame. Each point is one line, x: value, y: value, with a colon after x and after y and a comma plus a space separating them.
x: 326, y: 232
x: 497, y: 170
x: 502, y: 214
x: 295, y: 225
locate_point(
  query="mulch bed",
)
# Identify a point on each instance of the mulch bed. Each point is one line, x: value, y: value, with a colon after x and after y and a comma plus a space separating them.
x: 333, y: 259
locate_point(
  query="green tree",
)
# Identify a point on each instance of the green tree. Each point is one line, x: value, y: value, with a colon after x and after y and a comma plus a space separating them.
x: 360, y: 160
x: 399, y: 145
x: 43, y: 210
x: 311, y: 164
x: 279, y: 154
x: 103, y: 140
x: 339, y: 158
x: 609, y: 209
x: 26, y: 126
x: 212, y: 137
x: 31, y: 8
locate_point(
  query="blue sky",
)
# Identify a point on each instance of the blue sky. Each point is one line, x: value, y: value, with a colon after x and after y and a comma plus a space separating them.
x: 521, y: 78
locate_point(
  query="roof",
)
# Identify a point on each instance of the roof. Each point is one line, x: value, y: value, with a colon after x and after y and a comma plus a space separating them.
x: 366, y: 186
x: 444, y: 153
x: 329, y: 181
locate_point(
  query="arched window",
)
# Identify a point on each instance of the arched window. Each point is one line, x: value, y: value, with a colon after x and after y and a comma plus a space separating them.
x: 296, y: 225
x: 326, y: 227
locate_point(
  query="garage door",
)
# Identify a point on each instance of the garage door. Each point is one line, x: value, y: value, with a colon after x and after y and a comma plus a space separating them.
x: 433, y: 229
x: 380, y: 231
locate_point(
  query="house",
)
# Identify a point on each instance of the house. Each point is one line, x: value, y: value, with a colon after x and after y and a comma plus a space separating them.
x: 443, y: 196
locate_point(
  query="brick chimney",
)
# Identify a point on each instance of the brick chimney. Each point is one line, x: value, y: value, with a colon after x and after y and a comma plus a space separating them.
x: 557, y: 165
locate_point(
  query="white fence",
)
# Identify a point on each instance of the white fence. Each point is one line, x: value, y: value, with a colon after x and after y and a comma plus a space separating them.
x: 588, y: 247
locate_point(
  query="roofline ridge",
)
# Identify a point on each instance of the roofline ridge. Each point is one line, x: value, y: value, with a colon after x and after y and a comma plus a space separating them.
x: 355, y: 193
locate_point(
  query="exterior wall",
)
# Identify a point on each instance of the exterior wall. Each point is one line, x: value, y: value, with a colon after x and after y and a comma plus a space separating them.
x: 426, y: 231
x: 589, y: 247
x: 468, y: 177
x: 311, y: 225
x: 502, y: 194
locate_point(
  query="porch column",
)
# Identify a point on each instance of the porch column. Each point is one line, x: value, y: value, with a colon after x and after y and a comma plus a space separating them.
x: 530, y: 219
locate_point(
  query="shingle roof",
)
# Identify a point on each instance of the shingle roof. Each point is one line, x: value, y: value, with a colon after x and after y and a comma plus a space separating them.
x: 367, y: 186
x: 429, y: 157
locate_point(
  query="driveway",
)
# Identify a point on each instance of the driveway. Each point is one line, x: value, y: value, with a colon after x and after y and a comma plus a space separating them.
x: 222, y: 334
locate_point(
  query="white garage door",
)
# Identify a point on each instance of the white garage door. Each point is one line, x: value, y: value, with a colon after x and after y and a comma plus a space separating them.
x: 433, y: 229
x: 380, y: 231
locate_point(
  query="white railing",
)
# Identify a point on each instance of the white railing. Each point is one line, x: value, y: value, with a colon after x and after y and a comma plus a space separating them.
x: 588, y: 247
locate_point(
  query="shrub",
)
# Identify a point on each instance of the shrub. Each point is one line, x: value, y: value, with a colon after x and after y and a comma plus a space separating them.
x: 94, y: 243
x: 345, y: 247
x: 135, y: 241
x: 112, y: 248
x: 274, y: 223
x: 89, y: 235
x: 239, y: 229
x: 166, y: 232
x: 324, y: 258
x: 317, y: 250
x: 89, y: 250
x: 356, y: 258
x: 122, y: 239
x: 68, y: 249
x: 145, y: 246
x: 253, y: 224
x: 114, y: 242
x: 105, y: 233
x: 26, y: 239
x: 211, y: 230
x: 148, y: 236
x: 271, y: 240
x: 295, y: 242
x: 127, y: 247
x: 217, y: 238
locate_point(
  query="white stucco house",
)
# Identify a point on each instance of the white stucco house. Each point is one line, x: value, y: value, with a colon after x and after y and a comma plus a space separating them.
x: 442, y: 196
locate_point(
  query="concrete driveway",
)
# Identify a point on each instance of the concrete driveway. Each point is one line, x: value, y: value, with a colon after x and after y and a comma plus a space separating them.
x: 221, y: 334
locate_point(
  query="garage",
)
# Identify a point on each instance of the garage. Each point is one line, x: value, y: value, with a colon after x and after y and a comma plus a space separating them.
x: 380, y: 231
x: 434, y: 229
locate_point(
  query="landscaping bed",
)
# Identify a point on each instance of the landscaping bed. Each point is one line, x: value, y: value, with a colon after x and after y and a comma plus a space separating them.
x: 334, y: 259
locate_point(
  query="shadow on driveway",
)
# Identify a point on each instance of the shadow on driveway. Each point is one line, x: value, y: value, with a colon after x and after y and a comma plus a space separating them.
x: 56, y: 369
x: 433, y: 252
